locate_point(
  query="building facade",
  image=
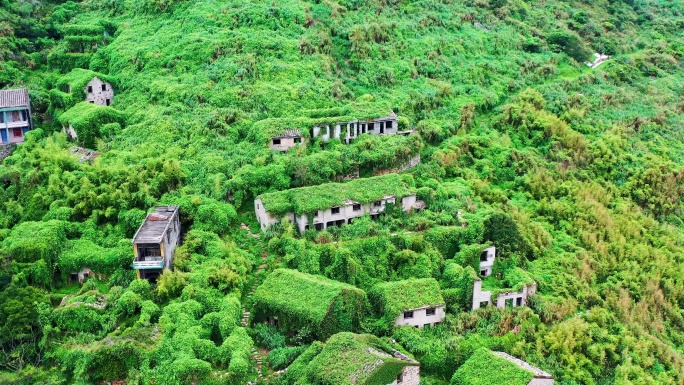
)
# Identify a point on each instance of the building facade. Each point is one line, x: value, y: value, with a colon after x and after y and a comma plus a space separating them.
x: 155, y: 242
x: 286, y: 140
x: 426, y: 316
x: 348, y: 131
x: 506, y: 299
x: 338, y: 215
x: 99, y: 92
x: 487, y: 261
x: 15, y: 115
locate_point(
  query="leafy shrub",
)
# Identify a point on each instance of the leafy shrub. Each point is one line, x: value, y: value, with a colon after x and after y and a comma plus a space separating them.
x: 267, y: 336
x: 281, y: 358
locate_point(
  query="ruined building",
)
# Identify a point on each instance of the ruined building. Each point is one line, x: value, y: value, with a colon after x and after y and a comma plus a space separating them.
x: 155, y: 242
x: 15, y: 115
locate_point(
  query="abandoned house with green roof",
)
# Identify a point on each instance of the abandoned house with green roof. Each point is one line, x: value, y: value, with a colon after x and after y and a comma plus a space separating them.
x: 335, y: 204
x: 411, y: 302
x: 155, y: 242
x: 498, y: 368
x: 15, y: 115
x: 345, y: 123
x: 354, y: 359
x: 292, y: 300
x: 286, y: 140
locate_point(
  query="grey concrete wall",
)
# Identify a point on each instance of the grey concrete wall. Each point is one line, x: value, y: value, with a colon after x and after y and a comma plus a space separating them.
x: 479, y: 295
x: 410, y: 376
x: 514, y: 296
x: 486, y: 296
x: 263, y: 217
x: 354, y: 128
x: 99, y: 96
x: 171, y: 239
x: 346, y: 213
x: 285, y: 143
x: 420, y: 317
x: 487, y: 265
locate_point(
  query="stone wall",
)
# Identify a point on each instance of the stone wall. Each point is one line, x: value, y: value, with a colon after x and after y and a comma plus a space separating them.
x: 99, y: 92
x: 410, y: 376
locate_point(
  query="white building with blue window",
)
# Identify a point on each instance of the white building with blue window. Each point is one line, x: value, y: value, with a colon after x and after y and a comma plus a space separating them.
x: 15, y: 115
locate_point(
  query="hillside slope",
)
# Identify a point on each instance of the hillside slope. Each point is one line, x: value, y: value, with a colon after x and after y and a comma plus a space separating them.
x: 512, y: 127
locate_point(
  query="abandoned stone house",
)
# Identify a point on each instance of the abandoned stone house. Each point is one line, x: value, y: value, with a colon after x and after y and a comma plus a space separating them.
x: 348, y: 131
x: 15, y: 115
x: 482, y: 298
x: 99, y: 92
x: 286, y: 140
x: 509, y: 370
x: 356, y: 359
x: 411, y: 302
x: 338, y: 214
x: 487, y: 261
x: 155, y: 241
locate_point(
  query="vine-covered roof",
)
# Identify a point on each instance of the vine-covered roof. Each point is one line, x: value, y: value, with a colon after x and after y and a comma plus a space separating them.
x: 485, y: 367
x: 360, y: 110
x: 308, y: 296
x: 311, y: 199
x: 397, y: 296
x: 356, y: 359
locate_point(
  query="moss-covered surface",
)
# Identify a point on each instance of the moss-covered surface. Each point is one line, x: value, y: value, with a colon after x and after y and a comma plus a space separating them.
x: 304, y: 300
x: 87, y: 119
x: 360, y: 110
x: 348, y: 359
x: 392, y: 298
x: 308, y: 200
x: 487, y: 368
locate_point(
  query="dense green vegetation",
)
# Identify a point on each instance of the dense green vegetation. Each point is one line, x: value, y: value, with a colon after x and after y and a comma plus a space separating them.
x: 486, y: 368
x: 575, y: 174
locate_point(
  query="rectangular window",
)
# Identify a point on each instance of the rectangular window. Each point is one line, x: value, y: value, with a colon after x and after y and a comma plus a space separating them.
x: 388, y: 124
x: 148, y: 250
x: 377, y: 203
x: 104, y: 87
x: 356, y: 207
x: 2, y: 117
x: 276, y: 141
x: 483, y: 273
x: 108, y: 102
x: 318, y: 226
x: 92, y: 101
x: 297, y: 140
x: 24, y: 115
x: 430, y: 311
x: 518, y: 302
x: 15, y: 116
x: 408, y: 314
x: 17, y: 132
x: 484, y: 304
x: 426, y: 326
x: 90, y: 89
x: 335, y: 210
x: 483, y: 256
x: 509, y: 302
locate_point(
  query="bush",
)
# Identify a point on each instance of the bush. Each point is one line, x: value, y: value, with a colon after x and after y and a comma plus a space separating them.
x: 282, y: 357
x: 267, y: 336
